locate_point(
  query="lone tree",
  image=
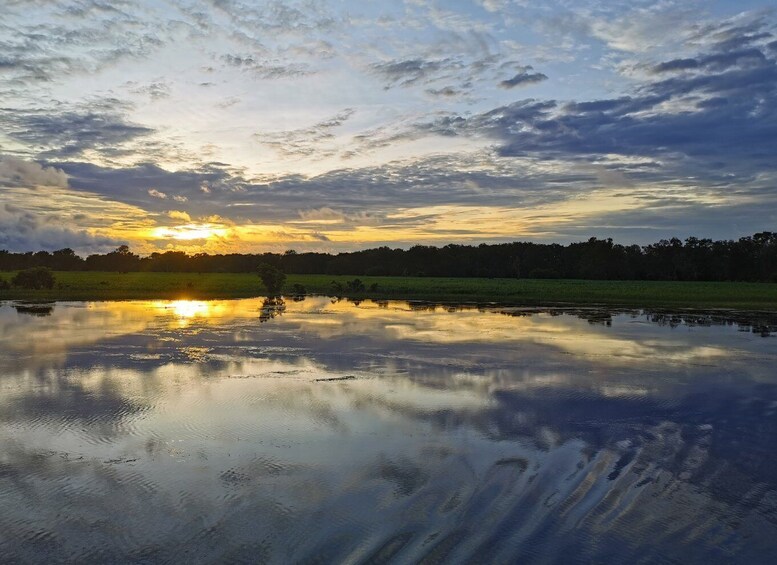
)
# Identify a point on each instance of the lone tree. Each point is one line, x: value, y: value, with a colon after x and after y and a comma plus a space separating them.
x: 35, y: 278
x: 272, y: 278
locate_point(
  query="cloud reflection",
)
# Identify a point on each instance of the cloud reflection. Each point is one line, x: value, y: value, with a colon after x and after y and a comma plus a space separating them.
x: 473, y: 433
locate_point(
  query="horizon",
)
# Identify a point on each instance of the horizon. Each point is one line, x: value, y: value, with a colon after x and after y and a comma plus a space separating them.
x: 292, y: 251
x: 252, y: 127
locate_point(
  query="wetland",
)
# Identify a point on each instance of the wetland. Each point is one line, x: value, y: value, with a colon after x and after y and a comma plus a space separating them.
x: 325, y: 430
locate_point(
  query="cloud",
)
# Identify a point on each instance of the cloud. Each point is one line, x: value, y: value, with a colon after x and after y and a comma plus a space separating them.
x: 306, y: 141
x: 718, y: 118
x: 523, y: 78
x: 327, y: 215
x: 641, y: 28
x: 447, y: 91
x: 18, y: 172
x: 494, y: 5
x: 318, y: 236
x: 676, y: 65
x: 457, y: 65
x: 406, y: 72
x: 154, y: 90
x: 278, y: 17
x: 68, y: 132
x: 648, y: 224
x: 75, y: 38
x: 267, y: 68
x: 22, y: 230
x: 207, y: 189
x: 178, y: 215
x: 358, y: 194
x: 648, y: 98
x: 752, y: 57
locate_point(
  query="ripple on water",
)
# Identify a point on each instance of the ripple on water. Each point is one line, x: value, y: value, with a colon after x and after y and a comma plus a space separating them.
x: 447, y: 437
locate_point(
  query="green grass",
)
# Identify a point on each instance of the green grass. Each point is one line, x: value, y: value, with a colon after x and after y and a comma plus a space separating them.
x: 118, y: 286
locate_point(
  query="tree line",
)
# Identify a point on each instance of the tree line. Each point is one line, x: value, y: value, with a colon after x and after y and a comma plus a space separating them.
x: 752, y: 258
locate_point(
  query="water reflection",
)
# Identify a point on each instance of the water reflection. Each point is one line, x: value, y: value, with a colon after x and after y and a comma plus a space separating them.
x: 186, y: 309
x: 272, y: 307
x: 374, y: 432
x: 34, y: 308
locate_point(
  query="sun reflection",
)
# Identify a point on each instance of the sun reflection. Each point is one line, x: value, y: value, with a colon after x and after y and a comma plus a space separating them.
x: 186, y: 310
x: 190, y: 308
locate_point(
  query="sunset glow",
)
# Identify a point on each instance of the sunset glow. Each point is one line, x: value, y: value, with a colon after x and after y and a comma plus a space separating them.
x: 189, y: 232
x: 186, y: 311
x: 330, y: 126
x: 189, y: 308
x: 407, y: 281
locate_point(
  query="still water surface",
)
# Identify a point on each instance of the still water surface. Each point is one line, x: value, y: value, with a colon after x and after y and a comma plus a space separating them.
x: 321, y: 431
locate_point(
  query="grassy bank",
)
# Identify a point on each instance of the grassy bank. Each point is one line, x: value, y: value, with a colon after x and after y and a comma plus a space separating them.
x: 117, y: 286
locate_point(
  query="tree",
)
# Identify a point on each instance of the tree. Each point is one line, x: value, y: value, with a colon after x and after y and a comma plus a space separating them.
x: 272, y: 278
x: 65, y: 260
x: 355, y: 286
x: 35, y: 278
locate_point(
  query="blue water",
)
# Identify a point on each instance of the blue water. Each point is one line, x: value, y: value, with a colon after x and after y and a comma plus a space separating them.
x: 320, y: 431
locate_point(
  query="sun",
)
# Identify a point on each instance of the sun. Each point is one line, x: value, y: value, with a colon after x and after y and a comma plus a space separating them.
x: 192, y: 231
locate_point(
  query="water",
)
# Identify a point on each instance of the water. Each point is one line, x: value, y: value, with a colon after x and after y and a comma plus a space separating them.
x: 320, y: 431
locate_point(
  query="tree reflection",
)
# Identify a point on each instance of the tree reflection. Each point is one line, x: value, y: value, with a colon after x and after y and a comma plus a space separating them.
x: 34, y: 308
x: 271, y: 307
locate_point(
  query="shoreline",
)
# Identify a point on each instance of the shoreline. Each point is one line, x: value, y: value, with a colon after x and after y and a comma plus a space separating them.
x: 101, y: 286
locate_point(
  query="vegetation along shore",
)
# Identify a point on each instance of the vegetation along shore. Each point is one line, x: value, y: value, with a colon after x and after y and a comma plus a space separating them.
x: 74, y: 285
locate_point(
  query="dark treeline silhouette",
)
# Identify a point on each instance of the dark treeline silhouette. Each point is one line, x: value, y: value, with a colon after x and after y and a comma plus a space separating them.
x: 751, y: 258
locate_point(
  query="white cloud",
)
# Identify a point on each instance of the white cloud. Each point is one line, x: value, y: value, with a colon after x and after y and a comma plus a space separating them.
x: 494, y: 5
x: 17, y: 172
x: 642, y: 30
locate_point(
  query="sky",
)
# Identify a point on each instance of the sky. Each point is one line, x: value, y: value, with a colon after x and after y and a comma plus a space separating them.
x: 252, y: 126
